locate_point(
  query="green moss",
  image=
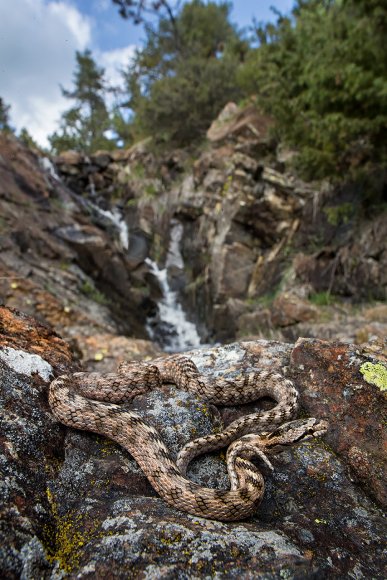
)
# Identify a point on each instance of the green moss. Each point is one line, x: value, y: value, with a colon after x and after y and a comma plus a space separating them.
x: 339, y: 214
x: 227, y: 185
x: 138, y: 171
x: 265, y: 300
x: 375, y: 374
x: 151, y: 190
x: 64, y: 265
x: 107, y: 446
x: 65, y: 542
x: 204, y: 409
x: 89, y: 290
x: 172, y: 539
x: 321, y: 298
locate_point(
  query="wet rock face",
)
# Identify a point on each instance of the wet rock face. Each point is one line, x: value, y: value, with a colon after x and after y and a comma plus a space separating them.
x: 74, y: 504
x: 60, y: 259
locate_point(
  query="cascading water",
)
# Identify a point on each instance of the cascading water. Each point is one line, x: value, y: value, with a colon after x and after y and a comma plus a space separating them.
x: 47, y: 165
x: 170, y: 327
x: 116, y: 218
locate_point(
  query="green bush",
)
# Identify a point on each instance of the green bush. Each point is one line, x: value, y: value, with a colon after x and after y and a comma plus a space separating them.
x: 322, y: 74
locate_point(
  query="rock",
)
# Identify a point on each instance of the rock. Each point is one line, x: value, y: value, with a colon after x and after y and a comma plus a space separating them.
x: 82, y: 235
x: 30, y: 440
x: 104, y: 352
x: 257, y: 324
x: 234, y: 122
x: 71, y: 163
x: 238, y: 191
x: 91, y: 512
x: 288, y: 309
x: 70, y: 158
x: 333, y: 384
x: 237, y: 264
x: 61, y: 262
x: 120, y: 154
x: 251, y: 229
x: 101, y: 158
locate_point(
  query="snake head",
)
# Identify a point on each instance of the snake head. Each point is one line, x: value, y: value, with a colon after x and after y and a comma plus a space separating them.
x: 294, y: 432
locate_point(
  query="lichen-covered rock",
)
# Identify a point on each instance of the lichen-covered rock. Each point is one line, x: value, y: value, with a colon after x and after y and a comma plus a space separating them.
x: 74, y: 504
x: 333, y: 383
x: 31, y: 441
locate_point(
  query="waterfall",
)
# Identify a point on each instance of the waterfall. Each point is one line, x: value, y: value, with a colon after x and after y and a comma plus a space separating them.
x: 118, y: 221
x: 170, y: 327
x: 47, y: 165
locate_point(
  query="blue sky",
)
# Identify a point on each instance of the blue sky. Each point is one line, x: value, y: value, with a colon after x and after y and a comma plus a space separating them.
x: 38, y: 40
x: 113, y: 32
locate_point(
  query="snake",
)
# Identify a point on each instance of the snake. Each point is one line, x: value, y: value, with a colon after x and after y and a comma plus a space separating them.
x: 96, y: 402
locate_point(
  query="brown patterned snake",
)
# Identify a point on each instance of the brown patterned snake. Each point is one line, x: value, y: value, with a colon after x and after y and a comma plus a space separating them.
x: 94, y: 406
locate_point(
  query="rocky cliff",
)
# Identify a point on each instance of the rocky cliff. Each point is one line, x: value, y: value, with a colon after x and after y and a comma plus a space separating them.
x: 61, y: 260
x: 249, y: 248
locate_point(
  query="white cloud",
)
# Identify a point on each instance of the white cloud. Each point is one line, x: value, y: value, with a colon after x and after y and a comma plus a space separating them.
x: 114, y: 61
x: 38, y: 40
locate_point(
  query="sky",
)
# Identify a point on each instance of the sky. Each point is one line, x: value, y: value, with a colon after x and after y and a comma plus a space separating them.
x: 39, y: 38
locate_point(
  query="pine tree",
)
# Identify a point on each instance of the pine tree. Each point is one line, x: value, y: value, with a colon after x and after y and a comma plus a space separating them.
x: 84, y: 126
x: 185, y: 73
x: 27, y: 139
x: 4, y: 116
x: 322, y: 74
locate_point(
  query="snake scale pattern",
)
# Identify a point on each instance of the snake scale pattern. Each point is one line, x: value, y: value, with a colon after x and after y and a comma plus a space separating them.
x: 93, y: 402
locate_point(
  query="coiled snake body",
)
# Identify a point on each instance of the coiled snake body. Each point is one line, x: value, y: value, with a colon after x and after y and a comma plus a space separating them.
x: 91, y: 401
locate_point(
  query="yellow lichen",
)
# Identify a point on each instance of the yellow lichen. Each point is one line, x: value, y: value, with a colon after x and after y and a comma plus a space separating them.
x: 203, y: 408
x: 65, y: 540
x: 375, y: 374
x: 169, y: 540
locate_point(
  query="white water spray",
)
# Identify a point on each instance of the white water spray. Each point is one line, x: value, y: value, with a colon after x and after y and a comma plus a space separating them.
x: 118, y: 221
x: 178, y: 333
x: 47, y: 165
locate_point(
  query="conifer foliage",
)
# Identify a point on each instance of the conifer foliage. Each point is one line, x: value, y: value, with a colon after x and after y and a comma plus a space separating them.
x: 322, y: 74
x: 85, y: 125
x: 4, y: 116
x: 185, y: 73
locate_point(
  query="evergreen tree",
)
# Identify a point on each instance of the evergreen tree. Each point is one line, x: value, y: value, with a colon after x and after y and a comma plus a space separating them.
x: 322, y: 74
x: 84, y: 126
x: 27, y: 139
x: 185, y: 73
x: 4, y: 116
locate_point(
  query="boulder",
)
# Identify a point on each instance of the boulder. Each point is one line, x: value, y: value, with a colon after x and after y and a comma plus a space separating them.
x: 69, y: 158
x: 101, y: 158
x: 237, y: 261
x: 288, y: 309
x: 233, y: 123
x: 89, y: 510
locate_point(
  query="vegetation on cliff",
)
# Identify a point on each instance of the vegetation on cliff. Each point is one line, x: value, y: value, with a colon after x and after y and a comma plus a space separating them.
x: 320, y: 73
